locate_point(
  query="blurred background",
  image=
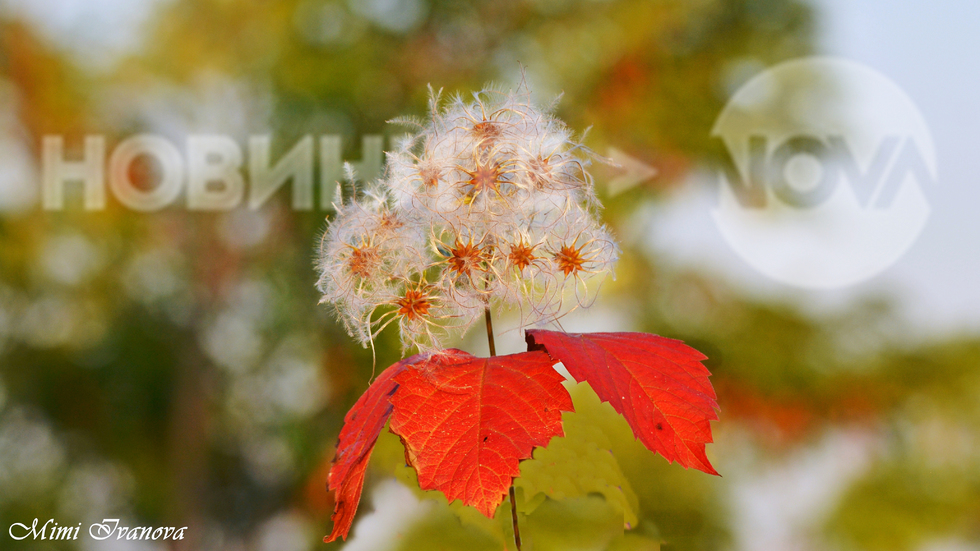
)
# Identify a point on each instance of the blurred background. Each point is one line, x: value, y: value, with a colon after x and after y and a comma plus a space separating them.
x: 173, y: 368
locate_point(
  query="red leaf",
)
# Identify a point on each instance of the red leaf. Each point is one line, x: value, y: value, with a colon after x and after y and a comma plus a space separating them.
x: 659, y: 385
x: 467, y: 422
x: 362, y: 425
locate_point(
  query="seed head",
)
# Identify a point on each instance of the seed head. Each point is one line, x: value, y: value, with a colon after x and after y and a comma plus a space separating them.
x: 521, y: 255
x: 569, y: 259
x: 414, y: 305
x: 491, y: 201
x: 465, y: 258
x: 483, y: 178
x: 363, y: 261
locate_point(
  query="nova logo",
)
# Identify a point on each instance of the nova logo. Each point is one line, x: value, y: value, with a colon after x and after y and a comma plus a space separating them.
x: 825, y: 163
x: 874, y: 186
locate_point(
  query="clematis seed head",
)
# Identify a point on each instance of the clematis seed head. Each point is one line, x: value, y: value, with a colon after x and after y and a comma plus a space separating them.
x: 488, y: 203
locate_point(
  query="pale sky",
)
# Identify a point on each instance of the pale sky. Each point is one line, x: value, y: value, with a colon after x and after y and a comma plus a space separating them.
x: 931, y: 50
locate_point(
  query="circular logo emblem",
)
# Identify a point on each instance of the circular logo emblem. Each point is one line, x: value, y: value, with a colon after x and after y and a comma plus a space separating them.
x: 825, y: 164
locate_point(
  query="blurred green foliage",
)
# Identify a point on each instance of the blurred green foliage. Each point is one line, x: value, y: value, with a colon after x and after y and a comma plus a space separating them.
x: 174, y: 368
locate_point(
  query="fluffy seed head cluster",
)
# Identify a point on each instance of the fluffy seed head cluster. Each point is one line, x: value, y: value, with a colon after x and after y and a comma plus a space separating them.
x: 488, y: 203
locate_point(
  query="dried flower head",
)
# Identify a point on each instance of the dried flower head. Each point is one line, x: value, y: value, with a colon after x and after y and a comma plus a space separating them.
x: 489, y: 203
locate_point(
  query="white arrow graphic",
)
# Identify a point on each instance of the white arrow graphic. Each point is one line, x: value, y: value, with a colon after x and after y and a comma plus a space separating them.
x: 635, y: 172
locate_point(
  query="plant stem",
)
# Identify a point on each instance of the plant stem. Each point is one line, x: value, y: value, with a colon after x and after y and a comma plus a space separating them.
x: 513, y: 516
x: 493, y: 349
x: 513, y: 500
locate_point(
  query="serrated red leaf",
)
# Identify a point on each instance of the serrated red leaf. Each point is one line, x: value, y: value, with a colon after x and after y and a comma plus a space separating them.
x: 658, y: 384
x: 467, y: 422
x: 362, y: 425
